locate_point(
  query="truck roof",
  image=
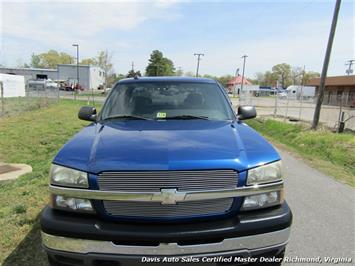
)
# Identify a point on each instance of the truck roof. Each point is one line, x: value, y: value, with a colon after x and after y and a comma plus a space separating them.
x: 167, y: 79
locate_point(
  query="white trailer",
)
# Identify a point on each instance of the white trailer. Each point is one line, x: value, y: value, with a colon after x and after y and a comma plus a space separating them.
x: 298, y: 92
x: 12, y: 86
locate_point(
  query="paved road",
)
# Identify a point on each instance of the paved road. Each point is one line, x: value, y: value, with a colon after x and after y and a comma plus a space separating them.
x: 324, y: 212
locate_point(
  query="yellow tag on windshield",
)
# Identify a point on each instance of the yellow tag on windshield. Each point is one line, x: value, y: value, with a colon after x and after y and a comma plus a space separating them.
x: 161, y: 115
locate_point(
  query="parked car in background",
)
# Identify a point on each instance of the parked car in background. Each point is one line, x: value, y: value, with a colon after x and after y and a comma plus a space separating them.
x: 166, y: 169
x: 42, y: 84
x: 50, y: 84
x: 282, y: 94
x: 106, y: 91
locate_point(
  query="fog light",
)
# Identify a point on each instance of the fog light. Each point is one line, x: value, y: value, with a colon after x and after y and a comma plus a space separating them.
x: 262, y: 200
x: 71, y: 204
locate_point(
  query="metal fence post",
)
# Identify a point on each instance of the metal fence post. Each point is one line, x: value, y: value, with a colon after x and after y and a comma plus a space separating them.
x: 2, y: 98
x: 93, y: 96
x: 301, y: 104
x: 340, y: 109
x: 275, y: 109
x: 46, y: 94
x: 286, y: 111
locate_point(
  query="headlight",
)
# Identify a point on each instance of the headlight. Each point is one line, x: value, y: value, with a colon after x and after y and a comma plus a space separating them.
x: 64, y: 176
x: 265, y: 173
x: 71, y: 204
x: 263, y: 200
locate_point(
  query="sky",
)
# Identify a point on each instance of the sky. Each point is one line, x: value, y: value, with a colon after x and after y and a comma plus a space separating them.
x: 269, y: 32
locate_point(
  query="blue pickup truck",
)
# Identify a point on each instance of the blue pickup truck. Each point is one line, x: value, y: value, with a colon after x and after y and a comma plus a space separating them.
x: 166, y: 171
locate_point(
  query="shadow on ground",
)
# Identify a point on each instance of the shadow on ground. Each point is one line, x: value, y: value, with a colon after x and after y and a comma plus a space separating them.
x: 29, y: 251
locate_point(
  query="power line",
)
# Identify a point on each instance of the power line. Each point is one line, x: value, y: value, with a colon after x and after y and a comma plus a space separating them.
x: 198, y: 62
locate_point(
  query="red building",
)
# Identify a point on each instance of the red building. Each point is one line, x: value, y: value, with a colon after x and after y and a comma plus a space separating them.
x: 237, y: 81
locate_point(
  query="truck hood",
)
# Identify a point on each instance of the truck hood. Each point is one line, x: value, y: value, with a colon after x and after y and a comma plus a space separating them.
x: 165, y: 145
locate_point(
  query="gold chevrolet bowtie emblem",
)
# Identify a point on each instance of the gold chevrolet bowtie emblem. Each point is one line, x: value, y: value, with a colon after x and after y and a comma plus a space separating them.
x: 169, y: 196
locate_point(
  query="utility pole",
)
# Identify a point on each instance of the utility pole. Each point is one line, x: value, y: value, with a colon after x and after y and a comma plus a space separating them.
x: 325, y: 66
x: 198, y: 61
x: 241, y: 85
x: 132, y: 66
x: 77, y: 68
x: 350, y: 64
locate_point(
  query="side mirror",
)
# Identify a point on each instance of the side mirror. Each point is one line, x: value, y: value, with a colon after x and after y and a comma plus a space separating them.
x: 87, y: 113
x: 246, y: 112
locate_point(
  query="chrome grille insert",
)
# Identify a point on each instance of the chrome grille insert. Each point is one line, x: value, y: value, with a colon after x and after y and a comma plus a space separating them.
x: 154, y: 181
x: 158, y: 181
x: 157, y: 210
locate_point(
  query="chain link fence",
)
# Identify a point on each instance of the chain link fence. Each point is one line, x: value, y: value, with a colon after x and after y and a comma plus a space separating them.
x: 37, y: 96
x: 293, y: 108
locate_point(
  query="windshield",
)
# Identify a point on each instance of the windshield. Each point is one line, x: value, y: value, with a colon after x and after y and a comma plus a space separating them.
x: 167, y: 100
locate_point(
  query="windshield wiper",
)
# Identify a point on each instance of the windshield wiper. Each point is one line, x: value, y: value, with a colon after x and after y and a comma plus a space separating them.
x: 132, y: 117
x: 187, y: 117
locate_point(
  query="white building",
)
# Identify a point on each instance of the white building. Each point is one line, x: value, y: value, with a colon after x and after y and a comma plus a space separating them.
x: 31, y: 73
x: 90, y: 77
x: 12, y: 86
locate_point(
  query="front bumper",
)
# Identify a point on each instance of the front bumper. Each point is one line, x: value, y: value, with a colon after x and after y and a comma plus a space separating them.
x: 87, y: 238
x: 106, y: 253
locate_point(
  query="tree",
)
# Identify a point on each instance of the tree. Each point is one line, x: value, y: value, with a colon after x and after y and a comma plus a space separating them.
x: 179, y: 72
x: 283, y: 73
x: 290, y: 75
x: 189, y: 74
x: 310, y: 75
x: 224, y: 79
x: 35, y: 60
x: 270, y: 79
x: 89, y: 61
x: 208, y: 76
x: 296, y: 75
x: 259, y: 77
x: 159, y: 65
x: 50, y: 59
x: 112, y: 79
x: 104, y: 61
x: 132, y: 74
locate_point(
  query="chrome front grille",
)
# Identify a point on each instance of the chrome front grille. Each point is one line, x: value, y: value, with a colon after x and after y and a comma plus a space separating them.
x: 157, y: 210
x: 154, y: 181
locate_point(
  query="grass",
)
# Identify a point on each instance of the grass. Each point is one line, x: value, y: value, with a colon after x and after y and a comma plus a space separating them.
x: 327, y: 151
x: 89, y: 93
x: 32, y: 138
x: 17, y: 105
